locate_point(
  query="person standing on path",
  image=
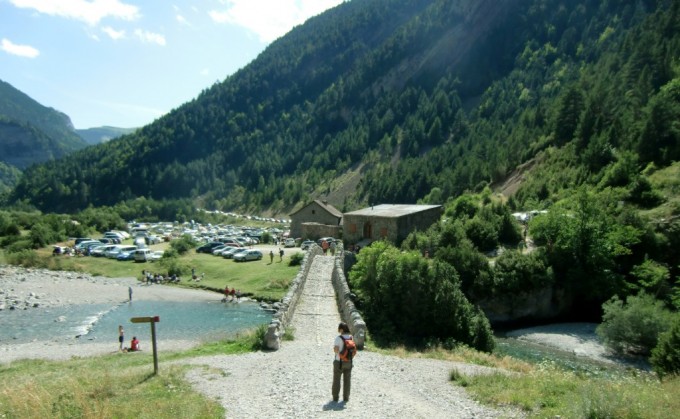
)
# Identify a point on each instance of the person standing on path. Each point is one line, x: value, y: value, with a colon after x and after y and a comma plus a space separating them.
x: 130, y: 292
x: 341, y: 368
x: 121, y: 336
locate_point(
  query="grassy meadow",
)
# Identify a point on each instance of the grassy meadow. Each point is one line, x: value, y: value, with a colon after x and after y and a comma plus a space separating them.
x: 120, y: 385
x: 260, y: 279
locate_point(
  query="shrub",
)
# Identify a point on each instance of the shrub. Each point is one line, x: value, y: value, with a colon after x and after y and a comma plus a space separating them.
x: 174, y: 266
x: 634, y: 326
x: 27, y: 258
x: 296, y: 259
x: 183, y: 244
x: 665, y: 357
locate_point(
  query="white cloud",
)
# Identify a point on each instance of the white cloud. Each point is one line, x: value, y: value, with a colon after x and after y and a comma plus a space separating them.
x: 113, y: 34
x: 268, y: 19
x: 150, y: 37
x: 90, y: 12
x: 181, y: 19
x: 205, y: 72
x: 20, y: 50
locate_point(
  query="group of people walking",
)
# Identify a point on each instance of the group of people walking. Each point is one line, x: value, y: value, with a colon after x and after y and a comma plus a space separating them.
x: 231, y: 294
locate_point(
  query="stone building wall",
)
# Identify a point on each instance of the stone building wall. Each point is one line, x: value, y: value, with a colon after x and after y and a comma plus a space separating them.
x: 315, y: 231
x: 311, y: 213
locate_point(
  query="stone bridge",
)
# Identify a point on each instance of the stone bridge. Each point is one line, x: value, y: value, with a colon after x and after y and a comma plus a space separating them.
x: 322, y: 283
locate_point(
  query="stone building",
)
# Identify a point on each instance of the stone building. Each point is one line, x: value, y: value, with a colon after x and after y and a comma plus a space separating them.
x: 387, y: 221
x: 315, y: 220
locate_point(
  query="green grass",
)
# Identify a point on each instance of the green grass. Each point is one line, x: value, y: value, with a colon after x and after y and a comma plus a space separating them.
x: 120, y: 385
x: 260, y: 279
x: 547, y: 391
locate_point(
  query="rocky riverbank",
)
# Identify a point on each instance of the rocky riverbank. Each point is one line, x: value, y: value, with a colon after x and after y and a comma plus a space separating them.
x: 24, y: 289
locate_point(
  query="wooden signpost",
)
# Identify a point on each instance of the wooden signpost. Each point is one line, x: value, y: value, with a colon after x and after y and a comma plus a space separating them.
x: 153, y: 321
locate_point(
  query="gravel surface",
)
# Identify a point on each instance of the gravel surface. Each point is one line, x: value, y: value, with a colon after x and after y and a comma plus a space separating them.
x: 295, y: 381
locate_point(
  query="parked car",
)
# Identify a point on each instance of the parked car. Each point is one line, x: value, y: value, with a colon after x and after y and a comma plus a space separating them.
x: 82, y: 239
x: 100, y: 251
x: 126, y: 255
x: 113, y: 253
x: 155, y: 255
x: 290, y: 242
x: 229, y: 254
x: 208, y: 247
x: 306, y: 244
x: 142, y: 255
x: 250, y: 254
x: 217, y: 251
x: 225, y: 249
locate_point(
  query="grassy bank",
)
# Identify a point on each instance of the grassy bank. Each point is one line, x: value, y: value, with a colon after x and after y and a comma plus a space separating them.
x: 548, y: 391
x: 261, y: 279
x: 121, y: 385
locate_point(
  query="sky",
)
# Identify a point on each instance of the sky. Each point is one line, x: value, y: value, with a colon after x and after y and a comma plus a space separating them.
x: 125, y: 63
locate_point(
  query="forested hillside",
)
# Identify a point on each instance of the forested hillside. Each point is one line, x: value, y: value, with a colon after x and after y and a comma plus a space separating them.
x: 28, y: 125
x: 417, y: 100
x: 30, y: 133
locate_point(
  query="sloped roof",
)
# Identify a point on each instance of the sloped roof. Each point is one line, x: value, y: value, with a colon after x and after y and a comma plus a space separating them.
x: 325, y: 205
x: 392, y: 210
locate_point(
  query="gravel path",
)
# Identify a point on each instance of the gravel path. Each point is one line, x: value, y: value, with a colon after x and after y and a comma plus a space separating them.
x: 295, y: 381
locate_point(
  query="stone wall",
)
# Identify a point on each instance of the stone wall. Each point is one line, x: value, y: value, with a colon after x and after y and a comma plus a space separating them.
x: 286, y: 308
x: 348, y: 311
x: 315, y: 231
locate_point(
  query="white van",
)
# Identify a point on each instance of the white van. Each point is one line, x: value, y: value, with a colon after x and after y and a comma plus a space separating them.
x: 142, y: 255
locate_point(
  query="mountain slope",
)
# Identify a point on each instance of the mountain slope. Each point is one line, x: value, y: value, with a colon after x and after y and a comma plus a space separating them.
x: 422, y: 98
x: 102, y: 134
x: 32, y: 133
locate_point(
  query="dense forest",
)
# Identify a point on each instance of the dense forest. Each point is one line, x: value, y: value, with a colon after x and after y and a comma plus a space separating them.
x: 419, y: 99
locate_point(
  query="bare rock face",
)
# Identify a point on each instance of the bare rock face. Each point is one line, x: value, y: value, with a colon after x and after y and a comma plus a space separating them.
x: 544, y: 304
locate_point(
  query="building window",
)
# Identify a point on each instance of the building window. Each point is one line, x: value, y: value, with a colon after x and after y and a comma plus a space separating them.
x: 352, y: 228
x: 313, y: 212
x: 383, y: 232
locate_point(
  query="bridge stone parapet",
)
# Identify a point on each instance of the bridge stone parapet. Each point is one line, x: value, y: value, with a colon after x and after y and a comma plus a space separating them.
x: 346, y: 308
x: 348, y: 311
x: 283, y: 316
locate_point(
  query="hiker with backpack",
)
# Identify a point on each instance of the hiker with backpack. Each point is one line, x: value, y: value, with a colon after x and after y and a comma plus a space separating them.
x: 345, y: 348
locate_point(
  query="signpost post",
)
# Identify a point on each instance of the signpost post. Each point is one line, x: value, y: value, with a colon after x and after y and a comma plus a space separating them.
x: 153, y: 321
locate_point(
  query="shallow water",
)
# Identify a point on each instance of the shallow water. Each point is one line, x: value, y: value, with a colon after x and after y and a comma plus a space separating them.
x: 541, y: 354
x: 200, y: 321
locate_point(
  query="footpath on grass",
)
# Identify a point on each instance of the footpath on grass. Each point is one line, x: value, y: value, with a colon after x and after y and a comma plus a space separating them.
x: 295, y: 381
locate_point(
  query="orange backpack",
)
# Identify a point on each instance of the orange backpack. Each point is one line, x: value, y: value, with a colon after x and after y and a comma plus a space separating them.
x: 349, y: 349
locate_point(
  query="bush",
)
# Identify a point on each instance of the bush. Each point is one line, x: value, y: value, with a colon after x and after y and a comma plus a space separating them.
x: 296, y: 259
x: 174, y: 266
x: 634, y: 326
x: 183, y: 244
x: 27, y: 258
x: 666, y: 356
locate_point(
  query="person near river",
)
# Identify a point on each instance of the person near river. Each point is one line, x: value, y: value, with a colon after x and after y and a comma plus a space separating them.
x: 134, y: 344
x: 121, y: 336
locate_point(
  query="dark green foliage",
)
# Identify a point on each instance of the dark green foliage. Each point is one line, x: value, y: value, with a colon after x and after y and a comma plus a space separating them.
x: 408, y: 298
x: 635, y: 326
x: 183, y: 244
x: 515, y: 273
x: 296, y: 259
x: 381, y: 88
x: 665, y: 357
